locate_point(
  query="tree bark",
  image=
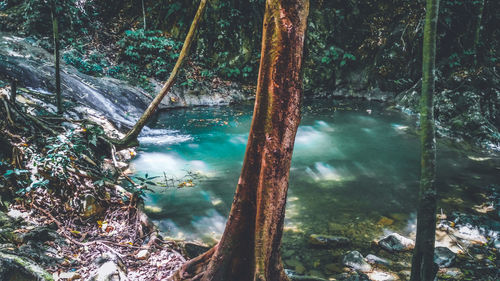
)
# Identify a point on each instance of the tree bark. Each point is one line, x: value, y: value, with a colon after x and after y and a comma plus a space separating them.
x: 131, y: 138
x: 423, y: 267
x: 143, y: 14
x: 249, y: 247
x: 477, y: 34
x: 13, y: 90
x: 55, y: 32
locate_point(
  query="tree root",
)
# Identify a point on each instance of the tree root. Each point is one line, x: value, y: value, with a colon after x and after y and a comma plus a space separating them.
x: 193, y: 270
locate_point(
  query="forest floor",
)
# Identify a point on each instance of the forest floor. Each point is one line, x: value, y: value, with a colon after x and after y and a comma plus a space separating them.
x: 71, y: 208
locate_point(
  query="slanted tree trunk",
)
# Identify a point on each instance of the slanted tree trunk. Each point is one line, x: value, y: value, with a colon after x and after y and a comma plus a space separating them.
x: 55, y: 32
x: 477, y: 34
x: 249, y: 247
x: 131, y: 138
x: 423, y: 267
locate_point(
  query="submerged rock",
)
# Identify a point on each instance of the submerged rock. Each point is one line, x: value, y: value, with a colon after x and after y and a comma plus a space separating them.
x: 396, y: 243
x: 328, y: 241
x: 356, y: 261
x: 444, y: 257
x: 372, y: 259
x: 298, y: 266
x: 353, y: 276
x: 450, y: 273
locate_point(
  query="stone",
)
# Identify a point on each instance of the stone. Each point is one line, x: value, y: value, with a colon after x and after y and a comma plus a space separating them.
x: 444, y: 257
x: 296, y: 265
x: 328, y: 241
x: 300, y: 269
x: 110, y: 268
x: 356, y: 261
x: 16, y: 214
x: 450, y: 273
x: 91, y: 207
x: 353, y: 276
x: 13, y: 267
x: 398, y: 216
x: 335, y: 227
x: 385, y: 221
x: 334, y: 268
x: 193, y: 250
x: 315, y: 273
x: 471, y: 234
x: 382, y: 276
x: 372, y: 259
x: 69, y: 276
x: 142, y: 255
x: 496, y: 243
x: 396, y: 243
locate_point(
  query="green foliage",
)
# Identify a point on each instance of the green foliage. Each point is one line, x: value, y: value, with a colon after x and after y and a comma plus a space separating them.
x: 336, y: 56
x: 154, y: 53
x: 93, y: 64
x: 60, y: 152
x: 71, y: 15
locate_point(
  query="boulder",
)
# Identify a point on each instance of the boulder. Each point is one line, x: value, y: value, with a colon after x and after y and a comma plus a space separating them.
x: 396, y: 243
x: 356, y: 261
x: 444, y: 257
x: 328, y: 241
x: 17, y: 268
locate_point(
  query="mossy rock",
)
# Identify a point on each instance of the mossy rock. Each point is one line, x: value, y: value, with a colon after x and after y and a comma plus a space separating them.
x: 15, y: 268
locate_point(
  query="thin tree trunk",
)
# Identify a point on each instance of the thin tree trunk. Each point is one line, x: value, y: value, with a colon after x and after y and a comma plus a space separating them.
x: 131, y: 137
x: 13, y: 90
x: 55, y: 31
x: 249, y: 247
x: 423, y: 266
x: 143, y: 14
x: 477, y: 34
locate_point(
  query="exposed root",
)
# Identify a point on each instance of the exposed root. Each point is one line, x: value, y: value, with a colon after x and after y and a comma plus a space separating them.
x: 194, y: 269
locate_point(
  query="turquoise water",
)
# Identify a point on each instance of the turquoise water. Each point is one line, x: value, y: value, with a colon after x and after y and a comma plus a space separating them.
x: 353, y: 164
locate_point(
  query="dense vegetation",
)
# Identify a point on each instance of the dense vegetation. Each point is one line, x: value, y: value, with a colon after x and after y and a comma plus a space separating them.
x: 359, y: 46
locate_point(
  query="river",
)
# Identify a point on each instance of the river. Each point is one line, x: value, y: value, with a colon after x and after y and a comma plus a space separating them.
x: 355, y: 172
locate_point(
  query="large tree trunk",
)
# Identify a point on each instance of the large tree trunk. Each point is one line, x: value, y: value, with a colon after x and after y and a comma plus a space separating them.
x: 131, y: 138
x: 423, y: 267
x: 249, y: 247
x: 55, y: 32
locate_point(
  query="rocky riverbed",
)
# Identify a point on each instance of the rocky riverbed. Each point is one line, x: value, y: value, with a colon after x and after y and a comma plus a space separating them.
x: 467, y: 248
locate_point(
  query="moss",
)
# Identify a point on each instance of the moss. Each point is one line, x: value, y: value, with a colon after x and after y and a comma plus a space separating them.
x: 26, y: 269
